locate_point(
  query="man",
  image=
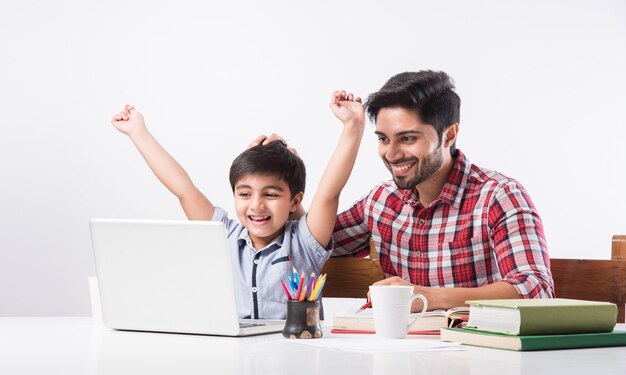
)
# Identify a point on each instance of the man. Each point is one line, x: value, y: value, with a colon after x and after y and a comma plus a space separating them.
x: 452, y: 230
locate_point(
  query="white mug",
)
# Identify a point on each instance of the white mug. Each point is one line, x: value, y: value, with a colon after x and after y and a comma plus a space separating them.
x: 392, y: 306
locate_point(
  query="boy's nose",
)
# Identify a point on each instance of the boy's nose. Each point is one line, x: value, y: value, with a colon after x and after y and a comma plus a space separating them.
x: 258, y: 204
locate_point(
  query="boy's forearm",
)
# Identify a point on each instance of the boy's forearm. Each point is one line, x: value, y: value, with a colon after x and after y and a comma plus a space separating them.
x: 323, y: 210
x: 340, y: 165
x: 196, y: 206
x: 162, y: 164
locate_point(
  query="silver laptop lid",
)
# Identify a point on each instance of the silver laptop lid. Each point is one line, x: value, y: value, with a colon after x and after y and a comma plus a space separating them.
x: 165, y: 276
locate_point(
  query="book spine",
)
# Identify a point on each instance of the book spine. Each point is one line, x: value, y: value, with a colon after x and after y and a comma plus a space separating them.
x: 588, y: 340
x: 537, y: 320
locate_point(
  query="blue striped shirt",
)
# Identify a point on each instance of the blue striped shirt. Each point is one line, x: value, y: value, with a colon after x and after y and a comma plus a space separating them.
x: 257, y: 274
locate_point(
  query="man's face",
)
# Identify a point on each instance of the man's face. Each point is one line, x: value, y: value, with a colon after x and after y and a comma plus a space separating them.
x: 409, y: 148
x: 263, y: 205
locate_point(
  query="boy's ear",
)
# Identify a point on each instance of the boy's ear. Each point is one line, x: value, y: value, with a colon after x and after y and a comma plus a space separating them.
x: 295, y: 201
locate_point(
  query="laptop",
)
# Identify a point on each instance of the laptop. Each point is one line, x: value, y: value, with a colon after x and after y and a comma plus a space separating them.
x: 168, y: 276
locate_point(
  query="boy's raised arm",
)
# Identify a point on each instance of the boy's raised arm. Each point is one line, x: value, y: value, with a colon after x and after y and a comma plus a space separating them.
x: 323, y: 210
x: 196, y: 206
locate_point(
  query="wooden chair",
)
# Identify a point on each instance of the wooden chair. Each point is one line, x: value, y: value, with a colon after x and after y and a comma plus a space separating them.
x: 618, y: 248
x: 351, y: 277
x: 590, y: 279
x: 595, y: 280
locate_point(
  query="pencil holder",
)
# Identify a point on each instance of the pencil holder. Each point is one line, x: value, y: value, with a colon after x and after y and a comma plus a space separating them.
x: 303, y: 320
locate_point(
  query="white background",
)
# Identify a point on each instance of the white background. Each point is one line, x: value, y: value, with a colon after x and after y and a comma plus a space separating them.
x: 542, y: 86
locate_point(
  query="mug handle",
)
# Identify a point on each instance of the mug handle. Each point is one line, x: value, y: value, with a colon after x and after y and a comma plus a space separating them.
x: 424, y: 309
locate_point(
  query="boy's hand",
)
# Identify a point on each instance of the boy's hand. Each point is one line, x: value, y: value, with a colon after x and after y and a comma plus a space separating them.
x: 128, y: 120
x: 347, y: 107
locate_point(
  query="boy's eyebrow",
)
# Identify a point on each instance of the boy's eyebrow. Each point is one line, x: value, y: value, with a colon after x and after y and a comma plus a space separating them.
x: 273, y: 187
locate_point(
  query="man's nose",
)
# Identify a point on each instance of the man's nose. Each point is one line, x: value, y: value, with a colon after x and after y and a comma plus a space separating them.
x: 393, y: 153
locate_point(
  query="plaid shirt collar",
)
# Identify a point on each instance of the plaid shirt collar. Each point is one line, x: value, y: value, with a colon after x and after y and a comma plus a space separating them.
x: 453, y: 189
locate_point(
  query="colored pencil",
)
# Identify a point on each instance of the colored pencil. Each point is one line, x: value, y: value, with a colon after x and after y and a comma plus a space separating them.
x: 299, y: 288
x: 286, y: 290
x: 367, y: 304
x: 318, y: 285
x: 303, y: 294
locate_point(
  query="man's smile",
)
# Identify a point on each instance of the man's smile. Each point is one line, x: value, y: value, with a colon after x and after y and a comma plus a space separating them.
x: 400, y: 167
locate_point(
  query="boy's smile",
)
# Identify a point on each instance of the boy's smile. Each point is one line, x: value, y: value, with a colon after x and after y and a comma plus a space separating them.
x: 259, y: 219
x: 263, y: 205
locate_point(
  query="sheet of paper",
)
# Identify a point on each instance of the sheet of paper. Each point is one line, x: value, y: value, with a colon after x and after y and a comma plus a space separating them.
x: 369, y: 344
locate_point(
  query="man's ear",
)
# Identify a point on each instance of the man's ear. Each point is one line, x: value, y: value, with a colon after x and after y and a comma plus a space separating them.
x: 449, y: 136
x: 296, y: 201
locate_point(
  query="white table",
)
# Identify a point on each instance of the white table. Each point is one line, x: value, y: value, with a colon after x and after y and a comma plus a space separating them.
x: 77, y: 346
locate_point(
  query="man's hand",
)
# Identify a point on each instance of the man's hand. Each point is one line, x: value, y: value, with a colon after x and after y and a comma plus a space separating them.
x: 266, y: 140
x: 128, y: 120
x: 347, y: 107
x: 446, y: 298
x: 395, y: 280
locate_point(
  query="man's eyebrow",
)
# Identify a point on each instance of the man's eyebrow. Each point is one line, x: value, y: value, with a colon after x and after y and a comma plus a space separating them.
x: 399, y: 134
x: 412, y: 131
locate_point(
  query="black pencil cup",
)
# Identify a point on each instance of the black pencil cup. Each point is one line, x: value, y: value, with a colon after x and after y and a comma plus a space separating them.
x: 303, y: 320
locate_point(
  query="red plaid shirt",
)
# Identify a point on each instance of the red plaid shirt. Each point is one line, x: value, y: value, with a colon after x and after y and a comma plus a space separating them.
x: 482, y: 228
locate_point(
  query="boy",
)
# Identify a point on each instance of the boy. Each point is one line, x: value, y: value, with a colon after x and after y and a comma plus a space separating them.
x: 268, y: 184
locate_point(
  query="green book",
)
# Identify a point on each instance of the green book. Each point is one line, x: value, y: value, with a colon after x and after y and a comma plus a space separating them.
x: 533, y: 342
x: 541, y: 316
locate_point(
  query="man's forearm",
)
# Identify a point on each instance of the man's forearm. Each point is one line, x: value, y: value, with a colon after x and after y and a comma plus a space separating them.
x: 446, y: 298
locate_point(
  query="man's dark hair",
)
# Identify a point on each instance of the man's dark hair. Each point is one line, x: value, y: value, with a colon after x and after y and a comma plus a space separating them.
x: 273, y: 159
x: 427, y: 93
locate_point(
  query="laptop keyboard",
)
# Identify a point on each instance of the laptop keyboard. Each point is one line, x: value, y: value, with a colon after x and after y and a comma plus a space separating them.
x: 246, y: 325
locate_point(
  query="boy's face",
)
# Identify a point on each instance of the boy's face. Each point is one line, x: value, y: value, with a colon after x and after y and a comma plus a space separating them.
x: 410, y: 149
x: 263, y: 205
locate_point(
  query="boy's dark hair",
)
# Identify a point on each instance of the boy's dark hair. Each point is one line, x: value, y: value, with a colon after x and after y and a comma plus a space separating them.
x: 273, y: 159
x: 427, y: 93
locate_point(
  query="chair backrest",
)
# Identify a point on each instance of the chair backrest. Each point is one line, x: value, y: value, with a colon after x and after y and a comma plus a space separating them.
x: 591, y: 279
x: 351, y: 277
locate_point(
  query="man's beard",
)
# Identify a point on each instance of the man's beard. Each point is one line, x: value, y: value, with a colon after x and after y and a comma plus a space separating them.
x: 425, y: 169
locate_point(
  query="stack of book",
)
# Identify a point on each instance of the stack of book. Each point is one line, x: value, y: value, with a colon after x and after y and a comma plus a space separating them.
x: 538, y: 324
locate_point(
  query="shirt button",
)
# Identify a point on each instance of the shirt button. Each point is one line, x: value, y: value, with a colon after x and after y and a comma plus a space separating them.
x: 254, y: 289
x: 418, y: 253
x: 421, y: 221
x: 256, y: 261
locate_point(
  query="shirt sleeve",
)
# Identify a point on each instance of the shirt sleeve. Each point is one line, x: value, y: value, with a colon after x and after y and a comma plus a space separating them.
x: 519, y: 243
x: 310, y: 248
x: 352, y: 234
x: 231, y: 225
